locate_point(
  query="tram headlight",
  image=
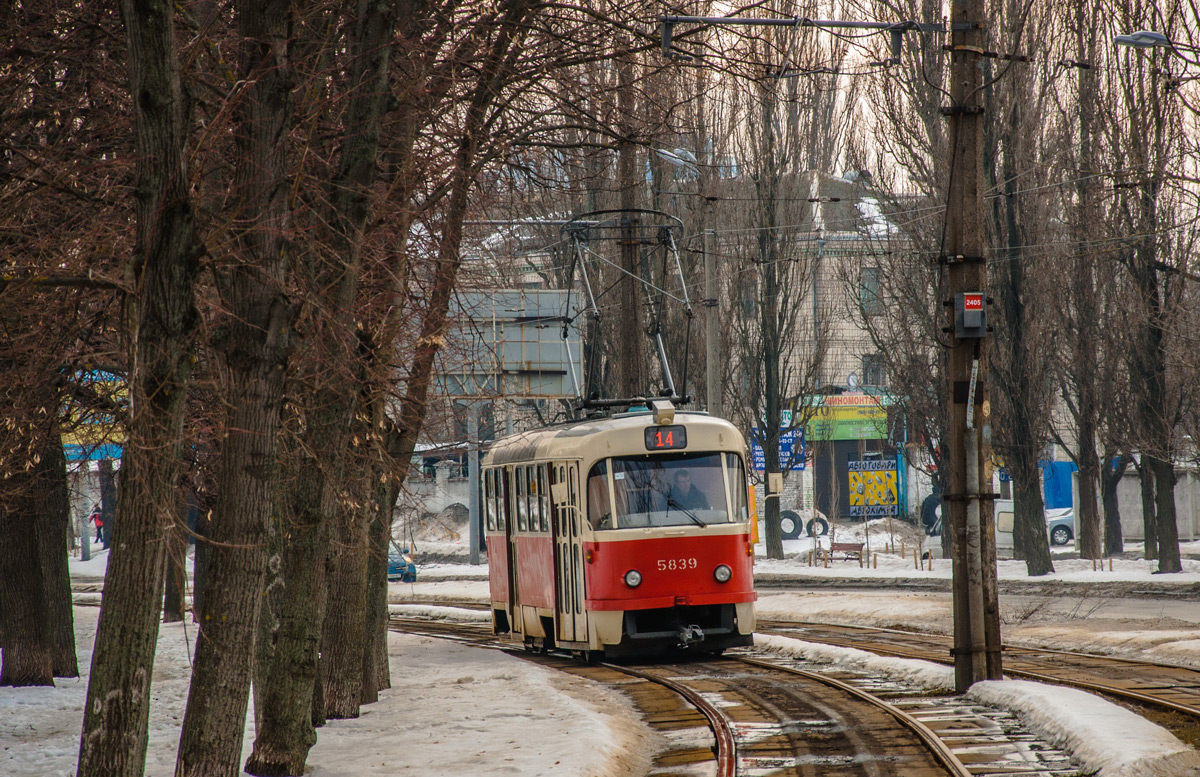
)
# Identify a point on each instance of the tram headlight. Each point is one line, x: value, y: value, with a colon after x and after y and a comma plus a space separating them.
x: 722, y: 573
x: 633, y: 578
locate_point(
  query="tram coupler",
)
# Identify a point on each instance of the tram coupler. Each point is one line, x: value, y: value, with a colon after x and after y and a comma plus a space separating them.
x: 690, y: 634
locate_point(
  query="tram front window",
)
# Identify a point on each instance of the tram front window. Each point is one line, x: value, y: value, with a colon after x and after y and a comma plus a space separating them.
x: 672, y: 490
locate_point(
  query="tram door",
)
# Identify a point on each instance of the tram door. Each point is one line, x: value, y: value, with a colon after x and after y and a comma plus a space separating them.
x: 568, y: 554
x: 510, y: 541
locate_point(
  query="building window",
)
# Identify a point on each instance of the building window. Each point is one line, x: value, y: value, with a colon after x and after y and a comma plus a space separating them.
x: 873, y: 372
x: 869, y: 297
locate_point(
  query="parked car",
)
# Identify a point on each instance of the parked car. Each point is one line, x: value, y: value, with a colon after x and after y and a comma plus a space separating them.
x: 401, y: 567
x: 1060, y: 524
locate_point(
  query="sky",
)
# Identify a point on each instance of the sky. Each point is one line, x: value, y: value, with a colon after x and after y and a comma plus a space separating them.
x: 479, y: 713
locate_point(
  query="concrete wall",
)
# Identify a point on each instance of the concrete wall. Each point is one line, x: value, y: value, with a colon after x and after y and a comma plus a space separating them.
x: 1187, y: 504
x: 433, y: 495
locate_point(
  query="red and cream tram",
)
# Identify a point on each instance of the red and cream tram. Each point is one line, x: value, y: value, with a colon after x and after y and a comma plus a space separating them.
x: 629, y: 534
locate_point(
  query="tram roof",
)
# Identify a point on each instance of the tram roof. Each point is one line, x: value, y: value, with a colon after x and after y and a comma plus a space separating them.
x: 577, y: 439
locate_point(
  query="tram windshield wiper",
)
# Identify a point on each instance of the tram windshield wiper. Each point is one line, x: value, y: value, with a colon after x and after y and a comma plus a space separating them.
x: 695, y: 518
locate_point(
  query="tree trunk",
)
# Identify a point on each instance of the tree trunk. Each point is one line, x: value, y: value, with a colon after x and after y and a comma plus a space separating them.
x: 1113, y: 472
x: 162, y: 272
x: 174, y: 601
x: 286, y: 732
x: 1090, y: 531
x: 253, y: 350
x: 268, y: 618
x: 376, y: 674
x: 1029, y: 516
x: 108, y: 500
x: 52, y: 511
x: 766, y: 192
x: 340, y: 671
x: 1020, y: 380
x: 342, y: 641
x: 28, y: 656
x: 1149, y: 509
x: 1164, y: 500
x: 200, y: 556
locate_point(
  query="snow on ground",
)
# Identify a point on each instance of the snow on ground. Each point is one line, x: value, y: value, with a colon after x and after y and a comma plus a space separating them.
x: 469, y: 711
x: 1103, y: 736
x: 924, y: 674
x: 479, y: 714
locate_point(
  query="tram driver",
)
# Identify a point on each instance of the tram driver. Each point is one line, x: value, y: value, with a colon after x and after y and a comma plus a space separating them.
x: 684, y: 494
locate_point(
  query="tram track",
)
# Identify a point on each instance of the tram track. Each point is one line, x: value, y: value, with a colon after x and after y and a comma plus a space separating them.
x: 770, y: 716
x: 1147, y: 685
x: 1152, y: 688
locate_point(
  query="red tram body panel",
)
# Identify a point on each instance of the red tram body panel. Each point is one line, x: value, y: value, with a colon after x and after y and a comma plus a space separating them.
x: 622, y: 535
x: 677, y: 571
x: 535, y: 562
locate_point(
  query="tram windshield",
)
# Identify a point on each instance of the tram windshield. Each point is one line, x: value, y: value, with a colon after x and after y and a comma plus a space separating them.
x: 684, y: 489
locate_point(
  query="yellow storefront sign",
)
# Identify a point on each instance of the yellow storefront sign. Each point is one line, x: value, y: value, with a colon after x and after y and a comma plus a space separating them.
x: 873, y: 488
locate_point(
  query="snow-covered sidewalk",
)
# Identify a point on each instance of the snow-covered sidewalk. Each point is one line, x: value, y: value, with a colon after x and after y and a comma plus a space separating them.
x: 452, y: 710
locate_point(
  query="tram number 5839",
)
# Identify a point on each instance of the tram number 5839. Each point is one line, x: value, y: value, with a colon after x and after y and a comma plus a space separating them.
x: 676, y: 564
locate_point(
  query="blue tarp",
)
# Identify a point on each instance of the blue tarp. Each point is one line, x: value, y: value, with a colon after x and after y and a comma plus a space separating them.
x: 92, y: 452
x: 1056, y: 483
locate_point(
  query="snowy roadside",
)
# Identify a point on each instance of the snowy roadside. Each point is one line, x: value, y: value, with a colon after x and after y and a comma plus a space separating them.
x: 452, y: 710
x: 1105, y: 738
x: 460, y: 708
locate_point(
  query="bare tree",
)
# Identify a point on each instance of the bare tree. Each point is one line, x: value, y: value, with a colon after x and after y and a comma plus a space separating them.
x: 252, y: 346
x: 1149, y: 113
x: 162, y: 319
x: 1021, y: 378
x: 909, y: 151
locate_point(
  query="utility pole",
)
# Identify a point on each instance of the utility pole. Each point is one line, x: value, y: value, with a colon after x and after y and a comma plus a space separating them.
x: 474, y: 514
x: 712, y: 323
x: 968, y: 500
x: 632, y: 380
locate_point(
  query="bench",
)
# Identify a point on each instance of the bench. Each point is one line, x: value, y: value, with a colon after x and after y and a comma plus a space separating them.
x: 851, y: 551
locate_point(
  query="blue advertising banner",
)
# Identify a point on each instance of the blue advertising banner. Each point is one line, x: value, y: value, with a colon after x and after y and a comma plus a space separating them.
x: 788, y: 442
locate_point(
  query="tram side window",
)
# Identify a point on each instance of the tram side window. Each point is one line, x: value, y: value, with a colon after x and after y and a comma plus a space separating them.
x: 535, y: 499
x: 489, y: 500
x: 522, y: 507
x: 572, y: 490
x: 564, y: 510
x: 737, y: 487
x: 543, y: 497
x: 599, y: 509
x: 501, y: 484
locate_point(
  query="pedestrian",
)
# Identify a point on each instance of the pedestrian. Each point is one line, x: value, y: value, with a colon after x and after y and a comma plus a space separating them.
x: 97, y: 517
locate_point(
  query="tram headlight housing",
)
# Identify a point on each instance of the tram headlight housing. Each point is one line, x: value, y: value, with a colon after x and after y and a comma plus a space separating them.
x: 633, y: 578
x: 723, y: 573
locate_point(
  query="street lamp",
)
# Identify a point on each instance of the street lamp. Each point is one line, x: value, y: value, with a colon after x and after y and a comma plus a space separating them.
x: 1149, y: 39
x: 1144, y: 39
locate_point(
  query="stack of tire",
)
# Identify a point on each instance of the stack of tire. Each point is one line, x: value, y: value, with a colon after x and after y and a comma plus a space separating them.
x: 791, y: 525
x: 931, y: 514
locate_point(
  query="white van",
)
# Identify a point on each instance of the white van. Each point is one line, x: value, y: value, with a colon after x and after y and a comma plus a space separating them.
x: 1004, y: 527
x: 1060, y: 526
